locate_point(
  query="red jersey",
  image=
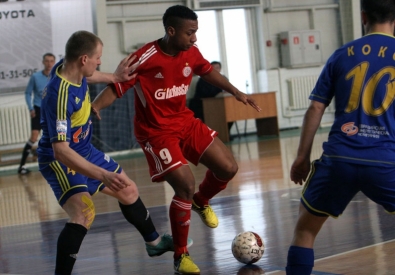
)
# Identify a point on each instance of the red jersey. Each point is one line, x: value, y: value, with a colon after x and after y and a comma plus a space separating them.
x: 161, y: 85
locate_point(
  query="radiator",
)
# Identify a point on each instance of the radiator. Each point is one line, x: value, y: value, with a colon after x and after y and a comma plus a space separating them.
x: 299, y: 89
x: 14, y: 124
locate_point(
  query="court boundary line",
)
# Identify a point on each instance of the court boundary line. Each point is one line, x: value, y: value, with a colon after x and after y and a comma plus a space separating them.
x: 339, y: 254
x: 354, y: 250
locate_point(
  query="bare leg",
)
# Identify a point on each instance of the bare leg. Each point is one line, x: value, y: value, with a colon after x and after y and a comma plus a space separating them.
x: 301, y: 255
x: 221, y: 169
x: 307, y: 228
x: 220, y: 160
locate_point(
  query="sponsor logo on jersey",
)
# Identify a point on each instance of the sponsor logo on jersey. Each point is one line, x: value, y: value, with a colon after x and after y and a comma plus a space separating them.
x: 187, y: 70
x: 171, y: 92
x: 70, y: 171
x: 159, y: 75
x: 106, y: 157
x: 61, y: 127
x: 349, y: 128
x: 77, y: 100
x: 79, y: 134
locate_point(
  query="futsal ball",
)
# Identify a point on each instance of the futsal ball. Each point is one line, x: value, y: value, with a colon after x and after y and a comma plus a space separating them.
x: 247, y: 247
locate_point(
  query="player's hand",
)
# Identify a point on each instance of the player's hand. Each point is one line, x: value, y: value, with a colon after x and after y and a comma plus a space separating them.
x: 32, y: 113
x: 300, y: 170
x: 125, y: 69
x: 115, y: 182
x: 95, y: 111
x: 246, y: 99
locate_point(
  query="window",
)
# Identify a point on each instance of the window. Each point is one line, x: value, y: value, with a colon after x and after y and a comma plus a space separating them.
x: 235, y: 39
x: 207, y: 36
x: 237, y: 49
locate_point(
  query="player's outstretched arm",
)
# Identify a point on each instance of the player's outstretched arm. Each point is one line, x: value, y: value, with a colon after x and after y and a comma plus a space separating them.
x: 124, y: 72
x: 64, y: 154
x: 218, y: 80
x: 104, y: 99
x: 301, y: 166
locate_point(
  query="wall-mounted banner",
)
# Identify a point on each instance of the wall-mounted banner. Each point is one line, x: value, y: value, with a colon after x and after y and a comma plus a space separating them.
x: 31, y: 28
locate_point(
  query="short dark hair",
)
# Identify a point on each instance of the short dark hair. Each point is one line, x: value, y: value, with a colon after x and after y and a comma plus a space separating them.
x: 216, y: 63
x: 81, y: 43
x: 379, y: 11
x: 48, y: 54
x: 174, y: 14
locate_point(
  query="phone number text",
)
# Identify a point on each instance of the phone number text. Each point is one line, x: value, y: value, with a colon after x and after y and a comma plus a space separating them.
x: 17, y: 73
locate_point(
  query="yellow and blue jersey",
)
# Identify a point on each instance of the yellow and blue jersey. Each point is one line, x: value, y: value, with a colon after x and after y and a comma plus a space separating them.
x: 360, y: 77
x: 65, y: 116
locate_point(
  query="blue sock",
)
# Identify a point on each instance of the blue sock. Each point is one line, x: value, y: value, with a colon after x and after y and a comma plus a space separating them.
x: 300, y: 261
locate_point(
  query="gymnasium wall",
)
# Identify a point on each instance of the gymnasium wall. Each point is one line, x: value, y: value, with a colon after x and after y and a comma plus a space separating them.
x: 124, y: 25
x: 30, y: 28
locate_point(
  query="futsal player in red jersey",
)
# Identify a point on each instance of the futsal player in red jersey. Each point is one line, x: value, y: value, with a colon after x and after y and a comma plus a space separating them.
x: 167, y: 130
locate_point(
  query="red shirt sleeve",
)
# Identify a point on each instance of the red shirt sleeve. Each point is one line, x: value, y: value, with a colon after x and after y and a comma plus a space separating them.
x: 122, y: 87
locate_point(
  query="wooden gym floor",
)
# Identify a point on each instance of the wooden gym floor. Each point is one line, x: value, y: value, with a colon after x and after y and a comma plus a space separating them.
x: 260, y: 198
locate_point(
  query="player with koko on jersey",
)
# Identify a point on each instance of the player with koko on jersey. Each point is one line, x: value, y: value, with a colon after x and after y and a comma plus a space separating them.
x: 167, y: 130
x: 360, y: 152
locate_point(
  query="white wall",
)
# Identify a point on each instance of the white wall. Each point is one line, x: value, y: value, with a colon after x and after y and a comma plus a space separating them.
x: 276, y: 80
x: 29, y: 29
x: 130, y: 23
x: 128, y: 27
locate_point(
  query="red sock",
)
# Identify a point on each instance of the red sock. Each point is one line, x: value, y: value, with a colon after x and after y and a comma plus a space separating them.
x: 180, y: 218
x: 210, y: 187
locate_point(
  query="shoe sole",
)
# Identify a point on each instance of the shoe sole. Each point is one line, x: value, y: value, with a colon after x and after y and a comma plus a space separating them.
x: 189, y: 273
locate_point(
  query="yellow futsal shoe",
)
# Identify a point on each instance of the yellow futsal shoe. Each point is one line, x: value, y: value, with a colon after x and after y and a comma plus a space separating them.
x: 207, y: 214
x: 185, y: 265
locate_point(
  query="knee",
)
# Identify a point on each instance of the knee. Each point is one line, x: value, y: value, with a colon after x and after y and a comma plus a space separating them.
x: 128, y: 195
x: 233, y: 169
x: 185, y: 191
x: 189, y: 189
x: 88, y: 212
x: 229, y: 172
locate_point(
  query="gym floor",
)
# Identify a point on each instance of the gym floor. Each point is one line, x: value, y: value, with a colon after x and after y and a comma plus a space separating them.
x: 261, y: 198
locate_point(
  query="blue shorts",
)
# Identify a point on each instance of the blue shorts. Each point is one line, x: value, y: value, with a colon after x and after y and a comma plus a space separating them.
x: 332, y: 185
x: 66, y: 182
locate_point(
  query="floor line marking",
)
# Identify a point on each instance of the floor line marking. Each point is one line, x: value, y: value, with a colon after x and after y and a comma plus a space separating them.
x: 354, y: 250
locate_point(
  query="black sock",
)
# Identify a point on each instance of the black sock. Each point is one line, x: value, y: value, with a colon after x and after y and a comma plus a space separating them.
x: 69, y: 243
x: 139, y: 216
x: 26, y: 152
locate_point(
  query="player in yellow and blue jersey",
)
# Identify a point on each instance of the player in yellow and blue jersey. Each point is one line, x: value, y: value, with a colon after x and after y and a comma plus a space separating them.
x: 360, y: 152
x: 74, y: 168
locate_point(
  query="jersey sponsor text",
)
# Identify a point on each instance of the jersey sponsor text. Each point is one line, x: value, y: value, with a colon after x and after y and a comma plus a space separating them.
x: 171, y: 92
